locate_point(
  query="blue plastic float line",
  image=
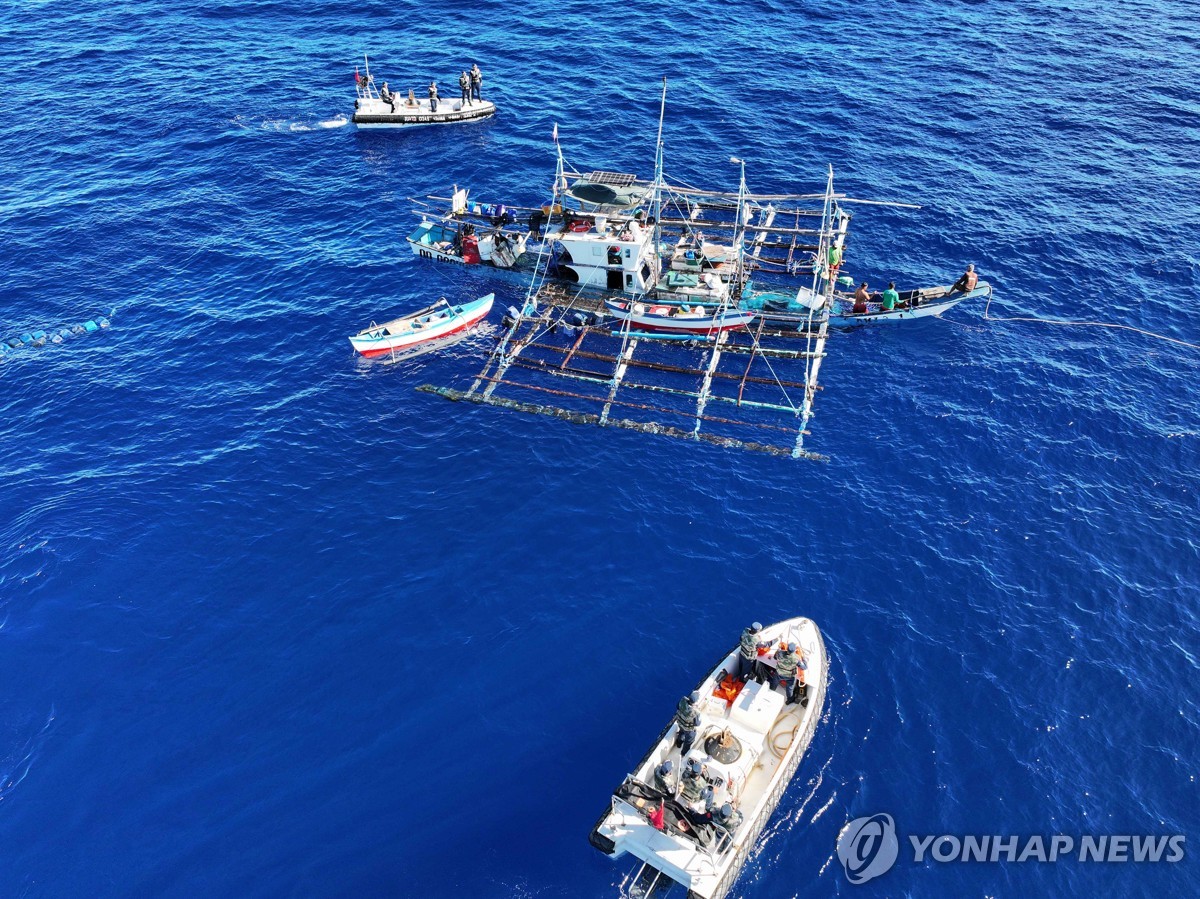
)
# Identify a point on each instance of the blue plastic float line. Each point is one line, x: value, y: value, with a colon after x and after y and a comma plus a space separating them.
x: 90, y: 325
x: 655, y: 335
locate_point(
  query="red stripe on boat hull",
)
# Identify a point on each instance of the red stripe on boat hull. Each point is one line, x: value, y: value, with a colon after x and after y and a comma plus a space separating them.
x: 388, y: 350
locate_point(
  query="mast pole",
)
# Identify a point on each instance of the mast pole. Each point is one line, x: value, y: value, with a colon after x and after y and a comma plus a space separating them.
x: 813, y: 365
x: 739, y: 233
x: 658, y: 183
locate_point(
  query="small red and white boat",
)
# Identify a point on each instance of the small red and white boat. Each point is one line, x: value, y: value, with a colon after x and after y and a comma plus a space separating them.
x: 435, y: 322
x: 697, y: 320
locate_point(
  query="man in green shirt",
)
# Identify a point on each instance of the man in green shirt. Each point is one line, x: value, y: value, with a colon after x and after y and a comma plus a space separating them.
x: 890, y: 298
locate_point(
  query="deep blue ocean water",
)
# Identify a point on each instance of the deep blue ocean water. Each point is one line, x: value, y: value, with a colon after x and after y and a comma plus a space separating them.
x: 274, y: 624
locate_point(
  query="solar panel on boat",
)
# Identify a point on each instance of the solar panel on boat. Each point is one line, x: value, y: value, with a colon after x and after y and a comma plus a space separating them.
x: 619, y: 179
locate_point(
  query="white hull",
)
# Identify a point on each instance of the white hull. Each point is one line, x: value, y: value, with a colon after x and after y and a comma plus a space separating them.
x: 671, y: 319
x: 430, y: 324
x: 370, y: 112
x: 755, y: 787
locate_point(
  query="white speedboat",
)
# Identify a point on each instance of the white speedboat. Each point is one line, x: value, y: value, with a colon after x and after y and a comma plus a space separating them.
x: 383, y: 108
x: 749, y: 743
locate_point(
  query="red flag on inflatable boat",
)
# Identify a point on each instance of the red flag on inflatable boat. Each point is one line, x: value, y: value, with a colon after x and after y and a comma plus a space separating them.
x: 656, y: 818
x: 357, y: 77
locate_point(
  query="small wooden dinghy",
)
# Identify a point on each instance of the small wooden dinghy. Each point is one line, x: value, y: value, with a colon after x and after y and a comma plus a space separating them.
x: 782, y: 309
x: 924, y: 303
x: 698, y: 320
x: 433, y: 323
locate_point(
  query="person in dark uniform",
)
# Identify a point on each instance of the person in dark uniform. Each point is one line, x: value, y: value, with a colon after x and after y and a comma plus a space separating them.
x: 687, y: 719
x: 664, y: 778
x: 748, y: 651
x: 433, y: 96
x: 464, y: 87
x: 476, y: 81
x: 727, y: 820
x: 692, y: 784
x: 785, y: 668
x: 386, y: 95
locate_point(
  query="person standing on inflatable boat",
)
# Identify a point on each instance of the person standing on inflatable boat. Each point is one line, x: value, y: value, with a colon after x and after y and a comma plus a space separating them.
x: 476, y: 82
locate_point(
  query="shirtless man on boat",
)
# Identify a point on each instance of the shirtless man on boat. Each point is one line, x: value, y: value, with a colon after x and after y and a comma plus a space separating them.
x: 861, y: 298
x: 967, y: 282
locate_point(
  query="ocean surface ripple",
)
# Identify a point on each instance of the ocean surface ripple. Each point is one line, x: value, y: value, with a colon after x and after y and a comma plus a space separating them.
x: 272, y: 623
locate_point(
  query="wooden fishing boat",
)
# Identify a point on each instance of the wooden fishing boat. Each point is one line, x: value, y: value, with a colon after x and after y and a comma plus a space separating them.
x: 789, y: 310
x: 748, y: 745
x: 452, y: 238
x: 698, y: 320
x: 924, y: 303
x: 432, y: 323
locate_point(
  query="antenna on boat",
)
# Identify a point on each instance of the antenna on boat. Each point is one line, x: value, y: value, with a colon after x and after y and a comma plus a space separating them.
x: 658, y: 182
x: 560, y: 176
x: 739, y: 234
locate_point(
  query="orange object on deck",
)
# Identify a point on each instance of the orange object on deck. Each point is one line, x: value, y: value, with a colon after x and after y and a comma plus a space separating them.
x: 728, y: 689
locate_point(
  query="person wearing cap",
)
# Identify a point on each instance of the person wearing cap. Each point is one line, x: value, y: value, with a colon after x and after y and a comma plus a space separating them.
x: 464, y: 87
x: 476, y: 77
x: 664, y: 778
x: 890, y: 298
x: 967, y: 282
x: 785, y: 668
x: 748, y: 651
x: 687, y: 720
x: 727, y: 819
x: 691, y: 784
x: 433, y: 96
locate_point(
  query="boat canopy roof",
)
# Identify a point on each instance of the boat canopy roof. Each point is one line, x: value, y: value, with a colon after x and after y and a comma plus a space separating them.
x: 621, y: 196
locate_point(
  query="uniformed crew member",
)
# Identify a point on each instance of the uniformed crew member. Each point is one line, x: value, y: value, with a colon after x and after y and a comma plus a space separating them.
x: 748, y: 651
x: 476, y: 81
x: 464, y: 87
x: 433, y: 96
x: 687, y: 719
x: 785, y: 668
x: 727, y: 819
x: 692, y: 784
x: 664, y: 778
